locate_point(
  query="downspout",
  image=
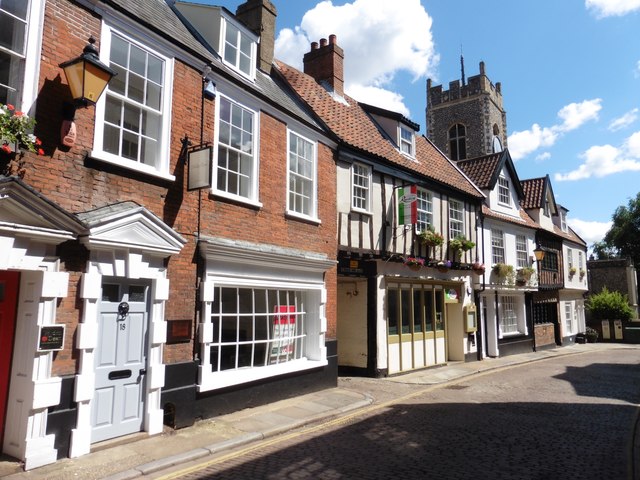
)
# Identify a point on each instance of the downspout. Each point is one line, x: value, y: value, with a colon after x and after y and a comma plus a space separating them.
x: 481, y: 339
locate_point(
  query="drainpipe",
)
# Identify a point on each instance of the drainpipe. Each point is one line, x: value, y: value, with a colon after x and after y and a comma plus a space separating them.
x: 481, y: 340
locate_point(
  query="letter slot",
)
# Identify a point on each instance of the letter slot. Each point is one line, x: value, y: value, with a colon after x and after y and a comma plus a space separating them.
x: 119, y: 374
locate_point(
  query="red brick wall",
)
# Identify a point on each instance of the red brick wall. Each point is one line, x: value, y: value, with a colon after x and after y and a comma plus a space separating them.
x: 68, y: 177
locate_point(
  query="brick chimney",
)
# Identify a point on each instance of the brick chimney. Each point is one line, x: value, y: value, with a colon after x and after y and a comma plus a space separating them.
x: 326, y: 63
x: 260, y: 17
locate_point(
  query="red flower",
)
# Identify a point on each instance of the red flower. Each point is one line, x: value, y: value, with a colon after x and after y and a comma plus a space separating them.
x: 40, y: 151
x: 5, y: 147
x: 19, y: 113
x: 38, y: 142
x: 10, y: 107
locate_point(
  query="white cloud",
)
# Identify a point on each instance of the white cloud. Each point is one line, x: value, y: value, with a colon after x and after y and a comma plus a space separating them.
x: 543, y: 156
x: 609, y: 8
x: 589, y: 231
x: 624, y: 121
x: 379, y: 39
x: 573, y: 116
x: 603, y: 160
x: 577, y: 114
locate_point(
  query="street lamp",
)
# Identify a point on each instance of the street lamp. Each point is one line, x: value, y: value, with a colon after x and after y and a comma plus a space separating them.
x: 87, y: 77
x: 539, y: 253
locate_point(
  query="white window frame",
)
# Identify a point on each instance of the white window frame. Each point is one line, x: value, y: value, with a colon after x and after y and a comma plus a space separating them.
x: 580, y: 261
x: 424, y: 209
x: 361, y: 203
x: 407, y: 146
x: 568, y: 317
x: 253, y: 198
x: 563, y: 221
x: 522, y: 254
x: 570, y: 257
x: 456, y: 218
x: 313, y: 213
x: 497, y: 246
x: 162, y: 166
x: 504, y: 192
x: 27, y: 86
x: 251, y: 74
x: 509, y: 324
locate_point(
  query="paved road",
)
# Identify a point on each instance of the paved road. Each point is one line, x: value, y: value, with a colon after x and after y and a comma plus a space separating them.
x: 569, y: 417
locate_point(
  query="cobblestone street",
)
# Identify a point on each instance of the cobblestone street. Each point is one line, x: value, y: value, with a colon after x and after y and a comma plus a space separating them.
x: 566, y: 417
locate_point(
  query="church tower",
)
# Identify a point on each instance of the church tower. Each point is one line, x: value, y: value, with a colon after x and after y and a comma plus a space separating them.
x: 468, y: 120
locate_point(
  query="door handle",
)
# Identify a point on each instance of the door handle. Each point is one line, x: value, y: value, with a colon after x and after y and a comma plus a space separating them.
x: 143, y: 371
x: 119, y: 374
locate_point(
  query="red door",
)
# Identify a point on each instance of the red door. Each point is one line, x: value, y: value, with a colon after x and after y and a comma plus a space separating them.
x: 8, y: 301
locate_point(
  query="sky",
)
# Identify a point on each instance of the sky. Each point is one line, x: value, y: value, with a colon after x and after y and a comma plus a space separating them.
x: 569, y: 70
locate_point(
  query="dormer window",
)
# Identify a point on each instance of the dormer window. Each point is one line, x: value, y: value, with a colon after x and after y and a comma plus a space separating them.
x: 503, y: 191
x: 238, y: 50
x: 407, y: 141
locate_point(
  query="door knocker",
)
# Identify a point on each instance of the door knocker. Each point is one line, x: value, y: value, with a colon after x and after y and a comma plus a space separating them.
x: 123, y: 310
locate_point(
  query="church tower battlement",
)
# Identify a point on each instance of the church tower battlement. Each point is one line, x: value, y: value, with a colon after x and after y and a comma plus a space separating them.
x: 467, y: 120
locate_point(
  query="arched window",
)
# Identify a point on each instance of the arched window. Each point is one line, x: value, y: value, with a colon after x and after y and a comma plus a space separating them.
x: 497, y: 143
x: 457, y: 142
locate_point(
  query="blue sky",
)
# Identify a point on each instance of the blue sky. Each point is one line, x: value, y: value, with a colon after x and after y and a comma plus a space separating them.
x: 570, y: 74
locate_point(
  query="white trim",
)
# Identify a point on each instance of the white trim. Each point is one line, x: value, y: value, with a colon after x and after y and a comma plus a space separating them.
x: 35, y: 21
x: 242, y: 30
x: 313, y: 216
x: 254, y: 198
x: 369, y: 175
x: 163, y: 151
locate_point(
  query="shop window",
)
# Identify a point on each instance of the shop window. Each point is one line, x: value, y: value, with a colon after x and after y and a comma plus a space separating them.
x: 508, y: 315
x: 255, y: 327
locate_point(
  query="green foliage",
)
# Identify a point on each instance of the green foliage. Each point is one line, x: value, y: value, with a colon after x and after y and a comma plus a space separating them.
x: 608, y: 305
x: 431, y: 237
x: 603, y: 251
x: 624, y: 234
x: 461, y: 243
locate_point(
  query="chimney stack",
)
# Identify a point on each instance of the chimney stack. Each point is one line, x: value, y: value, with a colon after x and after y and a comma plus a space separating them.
x: 326, y: 63
x: 260, y: 17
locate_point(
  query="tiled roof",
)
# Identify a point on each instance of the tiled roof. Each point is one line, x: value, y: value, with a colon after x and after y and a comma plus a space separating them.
x: 481, y: 169
x: 159, y: 16
x: 355, y: 128
x: 569, y: 235
x: 533, y: 192
x: 524, y: 219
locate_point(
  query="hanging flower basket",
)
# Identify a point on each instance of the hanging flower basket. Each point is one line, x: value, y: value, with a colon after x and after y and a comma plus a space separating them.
x: 430, y: 237
x: 478, y: 268
x: 414, y: 263
x: 443, y: 266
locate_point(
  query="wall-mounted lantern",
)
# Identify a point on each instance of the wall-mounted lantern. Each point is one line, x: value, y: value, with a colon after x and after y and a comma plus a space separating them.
x: 87, y: 77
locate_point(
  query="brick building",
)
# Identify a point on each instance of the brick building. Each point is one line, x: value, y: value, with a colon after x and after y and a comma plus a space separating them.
x: 175, y: 303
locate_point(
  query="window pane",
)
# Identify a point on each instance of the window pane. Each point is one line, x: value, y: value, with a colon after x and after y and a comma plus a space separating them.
x: 12, y: 33
x: 154, y: 93
x: 111, y: 141
x: 15, y: 7
x: 406, y: 311
x: 149, y: 152
x: 154, y: 69
x: 131, y: 118
x: 392, y: 311
x: 136, y: 88
x: 113, y: 111
x: 138, y: 61
x: 130, y: 145
x: 417, y: 310
x: 119, y: 53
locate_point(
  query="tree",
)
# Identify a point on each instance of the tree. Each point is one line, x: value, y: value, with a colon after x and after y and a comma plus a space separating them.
x: 602, y: 251
x: 624, y: 234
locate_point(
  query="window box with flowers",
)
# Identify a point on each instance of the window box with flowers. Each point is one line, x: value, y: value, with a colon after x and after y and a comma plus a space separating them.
x: 583, y: 272
x: 504, y: 273
x: 572, y: 271
x: 524, y: 275
x: 460, y: 244
x: 478, y: 268
x: 414, y: 263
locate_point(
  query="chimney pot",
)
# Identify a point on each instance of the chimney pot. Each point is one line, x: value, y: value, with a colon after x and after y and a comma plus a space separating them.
x: 326, y: 64
x: 314, y: 45
x: 323, y: 42
x: 333, y: 39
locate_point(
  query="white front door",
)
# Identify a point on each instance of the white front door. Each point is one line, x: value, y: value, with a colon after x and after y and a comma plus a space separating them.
x: 118, y: 405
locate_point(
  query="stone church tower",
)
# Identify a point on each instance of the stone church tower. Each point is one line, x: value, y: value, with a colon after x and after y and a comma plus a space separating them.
x: 468, y: 120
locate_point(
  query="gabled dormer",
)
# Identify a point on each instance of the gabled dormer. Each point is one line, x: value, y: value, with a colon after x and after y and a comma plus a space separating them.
x: 224, y: 35
x: 399, y: 129
x: 539, y: 201
x: 496, y: 176
x: 560, y: 220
